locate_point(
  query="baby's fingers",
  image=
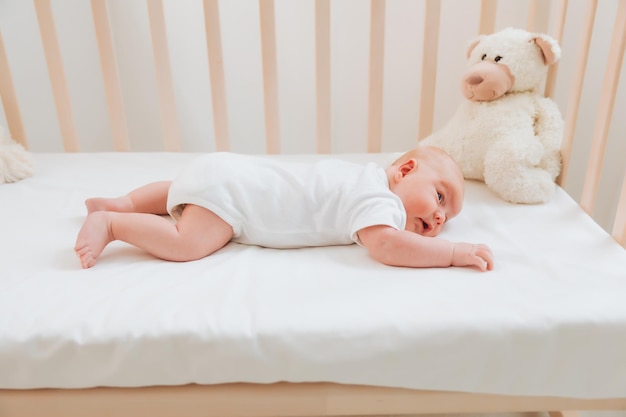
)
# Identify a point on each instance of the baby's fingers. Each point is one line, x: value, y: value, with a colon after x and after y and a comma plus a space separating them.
x: 468, y: 254
x: 484, y: 257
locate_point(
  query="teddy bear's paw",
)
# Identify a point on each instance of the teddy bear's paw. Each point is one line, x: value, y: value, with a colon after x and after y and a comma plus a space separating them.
x: 514, y: 153
x: 529, y: 186
x: 527, y: 150
x: 551, y: 163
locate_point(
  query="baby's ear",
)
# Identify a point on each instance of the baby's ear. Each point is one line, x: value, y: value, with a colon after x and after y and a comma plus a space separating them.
x: 407, y: 166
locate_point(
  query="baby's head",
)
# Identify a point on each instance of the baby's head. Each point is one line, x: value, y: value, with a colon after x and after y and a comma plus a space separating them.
x: 430, y: 185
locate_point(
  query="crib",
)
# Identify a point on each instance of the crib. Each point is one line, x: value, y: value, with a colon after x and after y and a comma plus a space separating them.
x: 109, y: 95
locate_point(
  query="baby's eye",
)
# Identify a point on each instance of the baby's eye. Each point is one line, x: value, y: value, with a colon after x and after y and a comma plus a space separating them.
x: 439, y: 197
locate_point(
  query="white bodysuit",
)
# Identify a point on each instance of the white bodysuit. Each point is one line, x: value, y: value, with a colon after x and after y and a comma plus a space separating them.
x: 280, y: 204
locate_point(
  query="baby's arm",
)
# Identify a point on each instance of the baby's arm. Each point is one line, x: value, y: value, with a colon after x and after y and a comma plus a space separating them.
x: 404, y: 248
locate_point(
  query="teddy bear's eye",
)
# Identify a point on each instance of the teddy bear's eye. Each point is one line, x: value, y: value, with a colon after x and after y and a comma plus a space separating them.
x: 498, y: 58
x: 483, y: 57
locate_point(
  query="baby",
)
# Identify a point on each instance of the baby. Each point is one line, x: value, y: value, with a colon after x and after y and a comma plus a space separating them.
x: 394, y: 212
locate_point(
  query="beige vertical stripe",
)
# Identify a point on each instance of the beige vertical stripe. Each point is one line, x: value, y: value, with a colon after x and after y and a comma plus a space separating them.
x: 538, y: 16
x: 163, y: 70
x: 376, y: 69
x: 487, y: 16
x: 605, y: 109
x: 429, y: 68
x: 9, y: 99
x: 112, y: 87
x: 533, y: 11
x: 270, y: 76
x: 322, y: 74
x: 57, y: 75
x: 576, y: 90
x: 559, y: 25
x: 619, y: 225
x: 216, y: 74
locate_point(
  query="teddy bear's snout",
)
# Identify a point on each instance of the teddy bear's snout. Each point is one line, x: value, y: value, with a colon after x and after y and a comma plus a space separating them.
x: 486, y: 81
x: 474, y: 79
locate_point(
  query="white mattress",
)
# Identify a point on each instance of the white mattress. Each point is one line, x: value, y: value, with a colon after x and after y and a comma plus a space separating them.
x: 549, y: 320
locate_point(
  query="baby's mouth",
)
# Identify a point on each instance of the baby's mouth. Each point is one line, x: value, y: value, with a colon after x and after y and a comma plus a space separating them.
x: 425, y: 226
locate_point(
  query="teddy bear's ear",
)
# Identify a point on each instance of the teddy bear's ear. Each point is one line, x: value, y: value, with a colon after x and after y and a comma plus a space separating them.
x: 549, y: 47
x: 472, y: 45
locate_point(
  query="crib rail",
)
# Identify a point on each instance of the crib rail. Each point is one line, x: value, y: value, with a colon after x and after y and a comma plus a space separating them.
x: 549, y: 17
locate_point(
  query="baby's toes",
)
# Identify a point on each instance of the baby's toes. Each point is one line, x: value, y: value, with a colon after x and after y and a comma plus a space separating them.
x: 86, y: 258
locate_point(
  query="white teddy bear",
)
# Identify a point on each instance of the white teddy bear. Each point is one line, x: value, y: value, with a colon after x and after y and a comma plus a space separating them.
x: 507, y: 133
x: 16, y: 163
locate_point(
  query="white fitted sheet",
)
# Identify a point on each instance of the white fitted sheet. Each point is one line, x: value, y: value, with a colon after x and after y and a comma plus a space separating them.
x: 549, y: 320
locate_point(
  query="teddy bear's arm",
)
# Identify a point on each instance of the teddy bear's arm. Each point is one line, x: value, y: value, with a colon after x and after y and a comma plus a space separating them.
x: 549, y: 131
x: 549, y: 123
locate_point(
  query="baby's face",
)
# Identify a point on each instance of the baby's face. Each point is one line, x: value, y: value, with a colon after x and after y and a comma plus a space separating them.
x: 431, y: 190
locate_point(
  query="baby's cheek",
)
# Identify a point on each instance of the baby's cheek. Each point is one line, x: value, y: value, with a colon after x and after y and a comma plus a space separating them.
x: 411, y: 227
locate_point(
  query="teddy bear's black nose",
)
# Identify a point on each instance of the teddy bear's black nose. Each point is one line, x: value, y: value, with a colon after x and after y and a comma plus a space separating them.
x: 474, y: 79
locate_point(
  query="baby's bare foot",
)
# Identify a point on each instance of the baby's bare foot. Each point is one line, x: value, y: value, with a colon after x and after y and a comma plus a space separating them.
x: 120, y: 204
x: 93, y: 236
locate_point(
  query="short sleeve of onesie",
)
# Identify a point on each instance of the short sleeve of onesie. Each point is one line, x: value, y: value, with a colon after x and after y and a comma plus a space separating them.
x: 374, y: 204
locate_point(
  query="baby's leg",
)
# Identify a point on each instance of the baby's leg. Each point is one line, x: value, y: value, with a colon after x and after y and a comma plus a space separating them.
x: 151, y: 198
x: 198, y: 233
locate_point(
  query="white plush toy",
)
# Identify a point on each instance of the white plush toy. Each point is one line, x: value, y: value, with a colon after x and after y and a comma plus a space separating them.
x: 16, y: 163
x: 506, y: 133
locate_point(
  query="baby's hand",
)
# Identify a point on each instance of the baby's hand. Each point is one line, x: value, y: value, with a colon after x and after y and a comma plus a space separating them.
x: 468, y: 254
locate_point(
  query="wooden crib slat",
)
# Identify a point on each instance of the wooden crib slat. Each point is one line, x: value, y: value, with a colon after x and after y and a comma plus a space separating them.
x: 216, y: 74
x: 531, y: 22
x: 270, y: 76
x: 559, y: 26
x: 619, y: 224
x: 112, y: 86
x: 429, y: 68
x: 538, y: 12
x: 163, y: 70
x: 58, y: 81
x: 487, y: 22
x: 9, y: 99
x: 576, y: 90
x: 322, y: 75
x: 605, y: 111
x: 376, y: 68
